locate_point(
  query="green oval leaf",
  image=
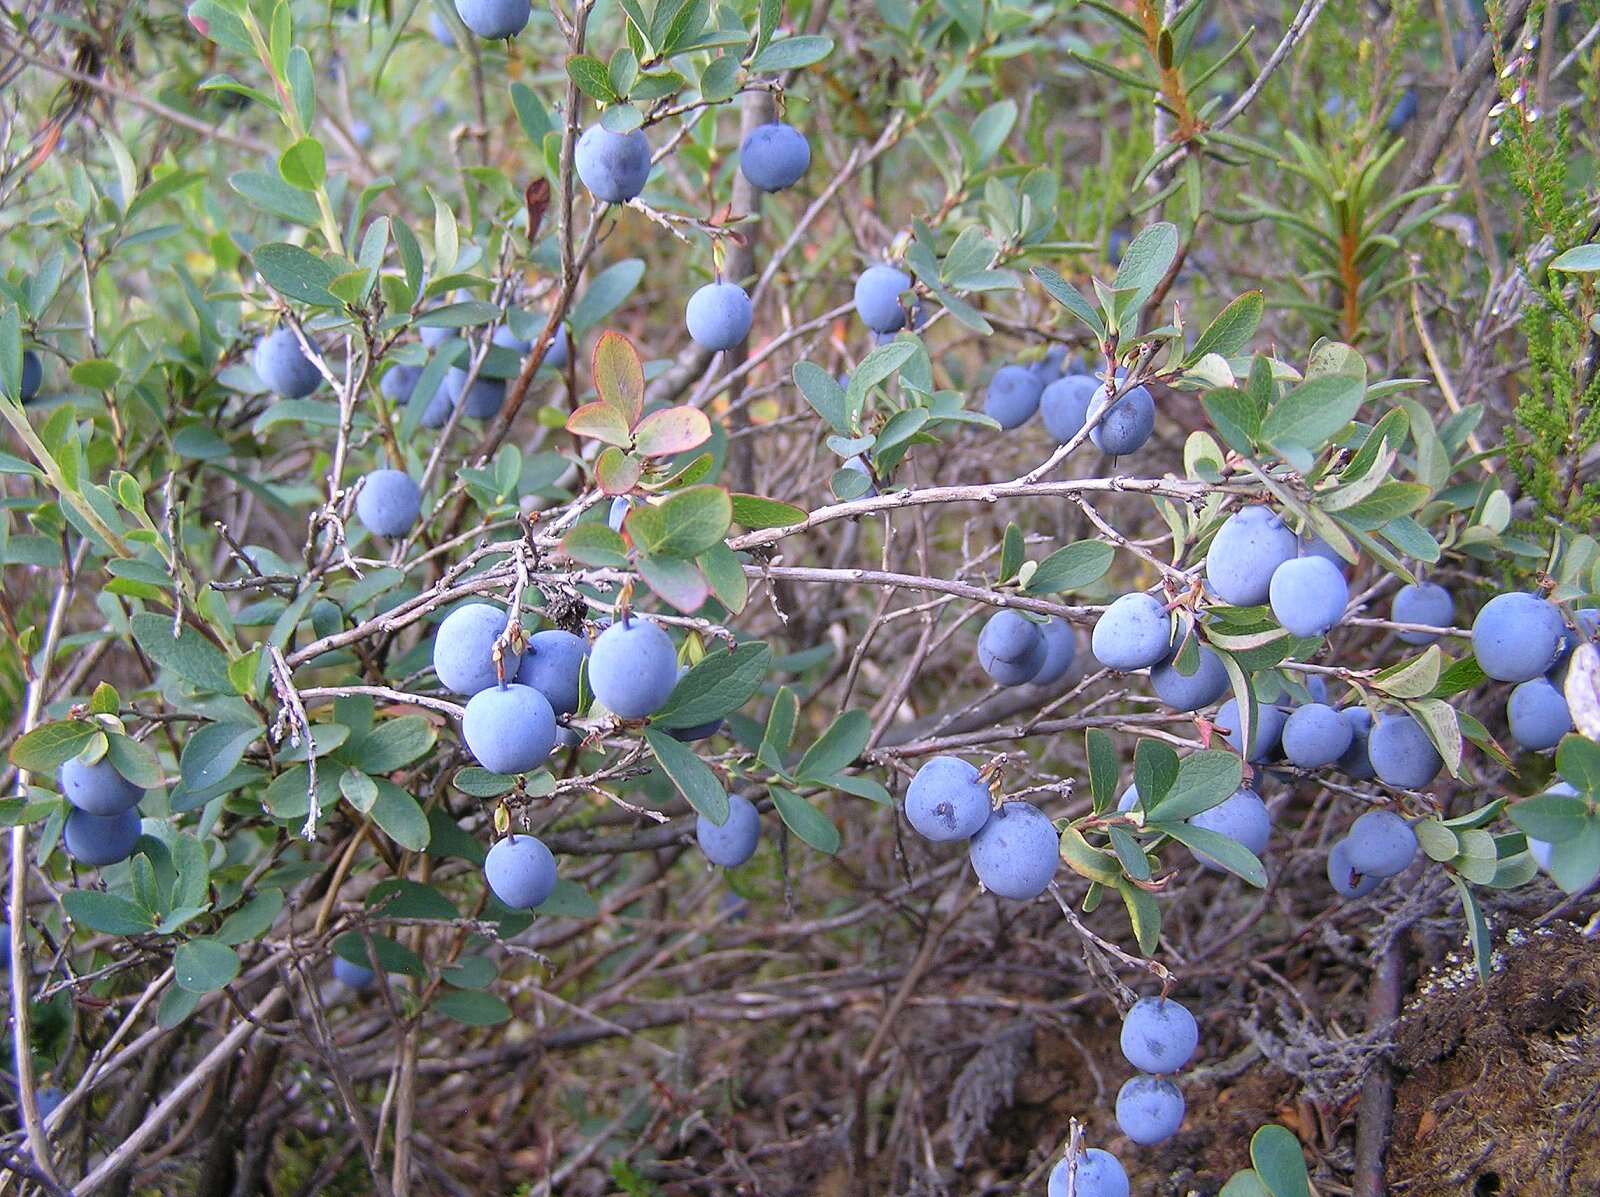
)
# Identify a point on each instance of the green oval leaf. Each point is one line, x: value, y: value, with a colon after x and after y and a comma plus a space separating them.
x: 106, y: 913
x: 692, y: 776
x: 1072, y: 568
x: 684, y: 524
x: 805, y: 820
x: 754, y: 512
x: 304, y: 165
x: 791, y: 53
x: 473, y: 1007
x: 204, y: 965
x: 719, y: 685
x: 296, y: 273
x: 47, y: 747
x: 837, y: 748
x: 1279, y: 1162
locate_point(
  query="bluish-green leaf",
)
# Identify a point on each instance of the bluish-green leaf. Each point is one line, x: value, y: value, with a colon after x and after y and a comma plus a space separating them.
x: 401, y: 818
x: 1073, y: 567
x: 204, y: 965
x: 1279, y: 1161
x: 296, y: 273
x: 252, y: 920
x: 837, y: 748
x: 720, y: 684
x: 692, y: 776
x: 472, y: 1007
x: 212, y: 752
x: 189, y: 654
x: 106, y: 913
x: 805, y: 820
x: 792, y: 53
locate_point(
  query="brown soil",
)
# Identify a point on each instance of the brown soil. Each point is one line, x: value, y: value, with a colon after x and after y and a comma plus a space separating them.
x: 1502, y: 1091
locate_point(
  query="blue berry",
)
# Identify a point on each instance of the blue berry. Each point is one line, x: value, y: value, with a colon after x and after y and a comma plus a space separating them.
x: 1060, y: 648
x: 509, y: 729
x: 353, y: 976
x: 1425, y: 603
x: 1402, y: 754
x: 389, y: 503
x: 1016, y: 852
x: 1149, y: 1109
x: 493, y: 19
x: 1405, y: 108
x: 49, y: 1100
x: 521, y: 871
x: 733, y: 843
x: 1159, y: 1035
x: 1242, y: 817
x: 551, y: 664
x: 435, y: 335
x: 283, y: 366
x: 718, y: 316
x: 1538, y: 715
x: 620, y: 506
x: 1013, y: 396
x: 506, y: 339
x: 1064, y: 404
x: 1208, y: 683
x: 1308, y: 595
x: 1355, y: 762
x: 1517, y: 636
x: 101, y: 839
x: 1312, y: 545
x: 878, y: 298
x: 1132, y: 633
x: 463, y: 648
x: 398, y: 383
x: 1542, y: 851
x: 436, y: 408
x: 1244, y: 554
x: 947, y: 800
x: 1315, y: 735
x: 560, y: 351
x: 32, y: 375
x: 1099, y: 1174
x: 1380, y: 844
x: 613, y: 166
x: 775, y: 156
x: 633, y: 668
x: 1264, y: 736
x: 484, y: 398
x: 1011, y: 648
x: 1346, y: 879
x: 1129, y: 423
x: 1052, y: 365
x: 98, y: 788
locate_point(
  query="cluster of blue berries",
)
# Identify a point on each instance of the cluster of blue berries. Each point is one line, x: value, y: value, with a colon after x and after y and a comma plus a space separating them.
x: 1013, y: 846
x: 1069, y: 399
x: 1015, y: 650
x: 512, y: 726
x: 1159, y: 1037
x: 615, y: 167
x: 103, y: 825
